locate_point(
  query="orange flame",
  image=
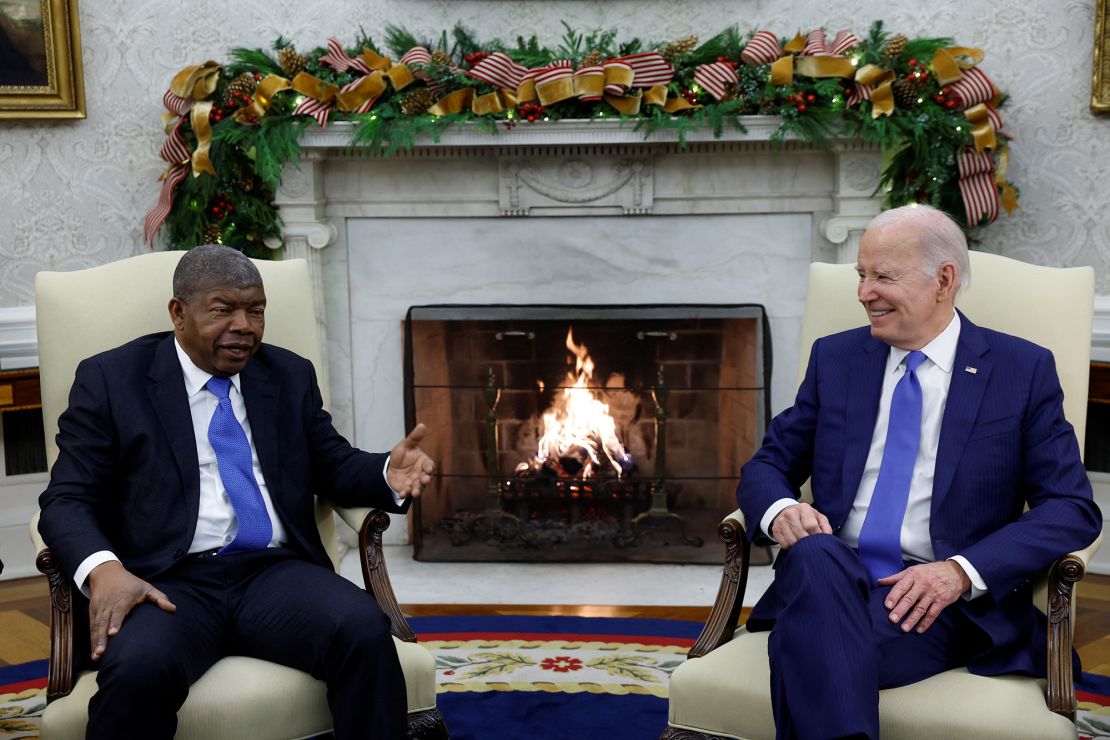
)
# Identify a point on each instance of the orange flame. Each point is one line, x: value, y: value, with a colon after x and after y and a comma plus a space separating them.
x: 579, y: 422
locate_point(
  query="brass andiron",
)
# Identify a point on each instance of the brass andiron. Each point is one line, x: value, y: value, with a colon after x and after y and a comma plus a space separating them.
x: 493, y: 515
x: 658, y: 510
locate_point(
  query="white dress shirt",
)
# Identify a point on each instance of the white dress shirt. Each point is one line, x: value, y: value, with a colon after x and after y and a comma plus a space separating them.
x: 935, y: 375
x: 216, y: 521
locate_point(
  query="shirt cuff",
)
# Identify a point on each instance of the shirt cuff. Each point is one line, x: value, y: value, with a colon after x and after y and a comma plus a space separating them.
x: 81, y: 576
x: 397, y: 498
x: 978, y: 585
x: 772, y: 511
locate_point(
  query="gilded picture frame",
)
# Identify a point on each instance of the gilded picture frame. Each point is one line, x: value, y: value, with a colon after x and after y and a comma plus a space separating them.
x: 1100, y: 67
x: 41, y: 74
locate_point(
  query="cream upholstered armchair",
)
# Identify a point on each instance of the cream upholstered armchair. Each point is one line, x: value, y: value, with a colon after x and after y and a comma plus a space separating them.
x: 88, y: 311
x: 723, y: 690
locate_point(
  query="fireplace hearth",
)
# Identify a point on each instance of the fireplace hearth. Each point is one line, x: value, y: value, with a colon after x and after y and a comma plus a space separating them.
x: 583, y: 433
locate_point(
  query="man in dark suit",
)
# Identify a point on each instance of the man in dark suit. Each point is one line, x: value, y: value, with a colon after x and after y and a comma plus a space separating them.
x: 182, y: 505
x: 924, y: 437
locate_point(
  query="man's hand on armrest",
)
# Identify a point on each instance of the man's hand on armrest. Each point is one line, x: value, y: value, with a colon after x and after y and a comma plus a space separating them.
x: 115, y: 592
x: 797, y: 521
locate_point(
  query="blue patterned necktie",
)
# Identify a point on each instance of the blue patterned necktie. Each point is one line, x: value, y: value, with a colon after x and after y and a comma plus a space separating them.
x: 880, y: 540
x: 233, y: 458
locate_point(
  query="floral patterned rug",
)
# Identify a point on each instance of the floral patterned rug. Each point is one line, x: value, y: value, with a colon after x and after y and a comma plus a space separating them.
x: 539, y: 678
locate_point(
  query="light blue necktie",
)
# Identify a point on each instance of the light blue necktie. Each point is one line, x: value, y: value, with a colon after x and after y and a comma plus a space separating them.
x: 233, y: 458
x: 880, y: 540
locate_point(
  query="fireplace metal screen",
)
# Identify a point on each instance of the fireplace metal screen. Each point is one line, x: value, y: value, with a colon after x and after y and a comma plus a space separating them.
x: 583, y: 433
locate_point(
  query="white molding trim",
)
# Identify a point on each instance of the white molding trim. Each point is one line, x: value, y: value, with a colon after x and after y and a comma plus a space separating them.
x: 19, y: 344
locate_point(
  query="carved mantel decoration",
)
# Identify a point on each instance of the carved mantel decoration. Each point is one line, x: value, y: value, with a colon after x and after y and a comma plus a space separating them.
x: 580, y: 168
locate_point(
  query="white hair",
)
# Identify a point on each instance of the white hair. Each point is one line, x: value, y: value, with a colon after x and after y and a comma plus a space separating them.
x: 940, y: 239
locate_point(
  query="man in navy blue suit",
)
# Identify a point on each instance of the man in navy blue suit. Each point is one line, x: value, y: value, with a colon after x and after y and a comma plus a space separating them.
x: 925, y: 437
x: 182, y: 505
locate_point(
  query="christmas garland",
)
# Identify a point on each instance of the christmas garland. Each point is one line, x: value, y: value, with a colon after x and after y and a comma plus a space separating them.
x: 231, y: 129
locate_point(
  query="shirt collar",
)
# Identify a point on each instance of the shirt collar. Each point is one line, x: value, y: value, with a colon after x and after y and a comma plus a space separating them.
x: 195, y: 378
x: 942, y: 350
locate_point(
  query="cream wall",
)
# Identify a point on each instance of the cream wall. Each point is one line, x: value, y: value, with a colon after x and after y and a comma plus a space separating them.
x: 74, y: 194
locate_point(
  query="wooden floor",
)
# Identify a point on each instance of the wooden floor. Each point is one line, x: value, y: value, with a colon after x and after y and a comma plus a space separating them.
x: 25, y: 616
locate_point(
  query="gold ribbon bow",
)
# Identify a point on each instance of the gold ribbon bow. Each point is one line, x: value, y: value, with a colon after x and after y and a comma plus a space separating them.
x: 791, y: 63
x: 314, y: 87
x: 982, y: 128
x: 949, y: 63
x: 882, y: 89
x: 195, y: 84
x: 481, y: 105
x: 399, y: 75
x: 1009, y: 196
x: 260, y: 101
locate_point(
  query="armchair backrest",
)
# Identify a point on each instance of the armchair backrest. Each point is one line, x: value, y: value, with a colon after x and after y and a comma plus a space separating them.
x: 1050, y: 306
x: 81, y: 313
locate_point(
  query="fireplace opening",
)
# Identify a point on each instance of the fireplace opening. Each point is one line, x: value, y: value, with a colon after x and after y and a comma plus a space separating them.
x: 583, y: 433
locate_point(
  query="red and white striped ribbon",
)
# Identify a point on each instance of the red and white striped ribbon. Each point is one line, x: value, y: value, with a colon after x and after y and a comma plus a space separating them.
x: 650, y: 69
x: 764, y: 48
x: 817, y: 43
x: 553, y: 71
x: 995, y: 118
x: 416, y: 55
x: 176, y: 103
x: 318, y: 109
x: 340, y: 61
x: 499, y: 70
x: 974, y: 88
x: 859, y: 94
x: 715, y: 78
x: 365, y: 106
x: 174, y: 149
x: 977, y: 186
x: 613, y: 88
x: 156, y: 216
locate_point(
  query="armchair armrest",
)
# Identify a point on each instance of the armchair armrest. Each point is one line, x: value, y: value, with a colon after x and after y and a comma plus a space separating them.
x: 370, y: 523
x: 1062, y: 577
x: 730, y: 595
x: 59, y: 681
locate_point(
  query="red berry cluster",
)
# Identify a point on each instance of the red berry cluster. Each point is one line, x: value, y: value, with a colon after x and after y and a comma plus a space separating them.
x: 802, y: 101
x: 476, y: 57
x: 530, y: 112
x: 947, y: 97
x: 730, y: 62
x: 236, y: 99
x: 690, y: 95
x: 220, y: 206
x: 919, y: 72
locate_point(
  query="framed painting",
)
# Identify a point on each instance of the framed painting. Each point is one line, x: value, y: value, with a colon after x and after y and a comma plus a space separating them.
x: 1100, y: 68
x: 40, y: 60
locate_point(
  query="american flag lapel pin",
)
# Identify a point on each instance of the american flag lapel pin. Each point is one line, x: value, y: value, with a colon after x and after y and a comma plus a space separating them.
x: 970, y: 369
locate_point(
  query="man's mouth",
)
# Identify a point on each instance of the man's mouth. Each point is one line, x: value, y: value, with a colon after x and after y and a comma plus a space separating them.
x: 236, y: 350
x: 879, y: 314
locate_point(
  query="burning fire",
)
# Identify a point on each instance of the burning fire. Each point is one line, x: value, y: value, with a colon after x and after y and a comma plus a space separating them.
x: 578, y: 424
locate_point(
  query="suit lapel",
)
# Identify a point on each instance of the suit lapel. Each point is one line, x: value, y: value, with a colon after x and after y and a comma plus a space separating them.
x: 965, y: 393
x: 260, y: 394
x: 166, y: 390
x: 865, y: 384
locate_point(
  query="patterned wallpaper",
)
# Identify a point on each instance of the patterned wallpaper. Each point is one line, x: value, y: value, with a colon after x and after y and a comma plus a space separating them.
x: 73, y: 194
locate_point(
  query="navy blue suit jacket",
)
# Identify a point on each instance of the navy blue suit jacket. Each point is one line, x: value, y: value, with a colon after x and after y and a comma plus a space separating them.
x: 127, y: 477
x: 1004, y: 444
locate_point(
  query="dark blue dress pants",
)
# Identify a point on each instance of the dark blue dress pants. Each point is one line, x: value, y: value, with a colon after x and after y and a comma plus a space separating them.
x: 266, y: 604
x: 833, y: 646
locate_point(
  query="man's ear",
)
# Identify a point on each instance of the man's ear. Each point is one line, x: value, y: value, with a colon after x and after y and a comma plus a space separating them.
x: 946, y: 281
x: 177, y: 312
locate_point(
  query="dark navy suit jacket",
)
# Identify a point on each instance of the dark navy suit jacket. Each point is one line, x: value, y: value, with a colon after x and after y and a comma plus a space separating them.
x: 1004, y: 444
x: 127, y: 477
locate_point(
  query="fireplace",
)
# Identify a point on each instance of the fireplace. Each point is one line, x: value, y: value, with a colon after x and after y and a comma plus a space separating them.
x: 583, y: 432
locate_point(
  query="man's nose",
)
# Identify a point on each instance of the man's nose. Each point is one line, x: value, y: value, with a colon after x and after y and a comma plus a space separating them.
x: 239, y: 322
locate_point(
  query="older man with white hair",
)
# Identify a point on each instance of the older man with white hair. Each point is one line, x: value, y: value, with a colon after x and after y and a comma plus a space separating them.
x: 944, y: 477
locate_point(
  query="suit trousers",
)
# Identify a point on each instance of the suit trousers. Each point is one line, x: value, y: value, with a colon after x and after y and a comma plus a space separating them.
x: 266, y: 604
x: 833, y: 645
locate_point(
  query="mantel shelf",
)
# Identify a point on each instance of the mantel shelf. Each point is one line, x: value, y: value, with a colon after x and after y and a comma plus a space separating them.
x: 568, y: 132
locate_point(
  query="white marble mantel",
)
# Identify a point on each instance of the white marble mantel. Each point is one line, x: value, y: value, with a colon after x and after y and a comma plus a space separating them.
x: 580, y: 169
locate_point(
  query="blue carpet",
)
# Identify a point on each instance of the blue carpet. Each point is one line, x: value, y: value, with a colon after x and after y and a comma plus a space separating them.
x: 554, y: 715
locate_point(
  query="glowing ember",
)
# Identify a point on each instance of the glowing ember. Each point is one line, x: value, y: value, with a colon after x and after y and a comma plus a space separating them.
x: 578, y: 424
